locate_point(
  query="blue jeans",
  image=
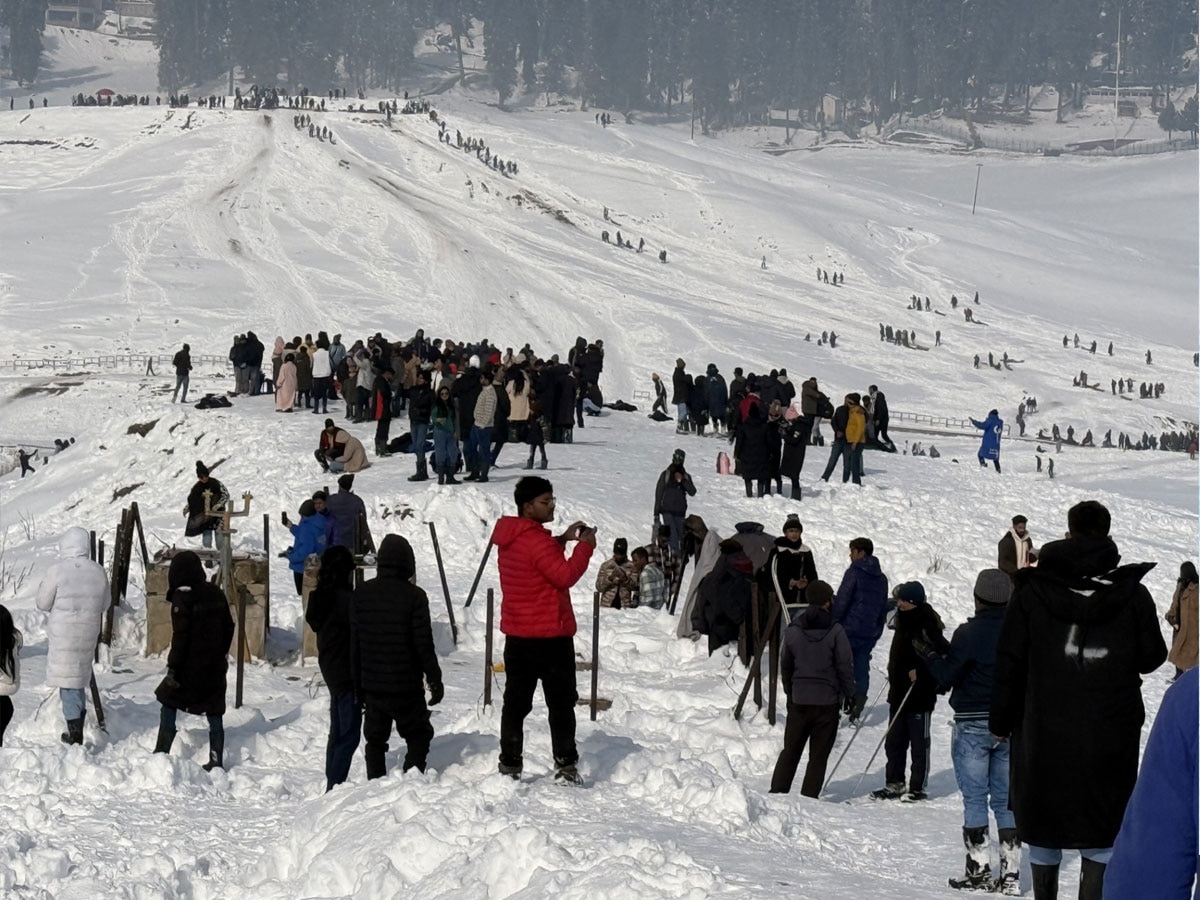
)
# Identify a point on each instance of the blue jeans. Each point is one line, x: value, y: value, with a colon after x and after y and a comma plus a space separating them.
x: 481, y: 449
x: 73, y: 703
x: 181, y: 382
x: 681, y: 414
x: 861, y: 649
x: 345, y: 729
x: 675, y: 523
x: 445, y: 451
x: 1049, y: 856
x: 419, y: 434
x: 981, y: 770
x: 206, y: 536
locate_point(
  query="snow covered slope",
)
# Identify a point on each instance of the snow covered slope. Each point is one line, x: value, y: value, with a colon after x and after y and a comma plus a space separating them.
x: 137, y: 229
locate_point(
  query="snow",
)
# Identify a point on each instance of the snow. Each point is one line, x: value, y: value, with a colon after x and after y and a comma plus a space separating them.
x: 136, y: 229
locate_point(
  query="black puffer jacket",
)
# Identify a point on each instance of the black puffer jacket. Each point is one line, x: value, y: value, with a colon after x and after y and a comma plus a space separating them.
x: 920, y: 621
x: 752, y: 451
x: 391, y: 636
x: 328, y: 615
x: 420, y: 404
x: 201, y: 631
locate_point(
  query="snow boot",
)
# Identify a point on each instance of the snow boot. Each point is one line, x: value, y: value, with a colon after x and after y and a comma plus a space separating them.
x: 450, y: 479
x: 216, y: 752
x: 166, y: 737
x: 74, y: 732
x: 567, y: 774
x: 856, y: 708
x: 512, y: 771
x: 542, y: 464
x: 375, y: 757
x: 529, y: 463
x: 1010, y: 863
x: 978, y: 874
x: 893, y: 790
x: 419, y: 476
x: 1091, y: 879
x: 914, y: 797
x: 1045, y: 882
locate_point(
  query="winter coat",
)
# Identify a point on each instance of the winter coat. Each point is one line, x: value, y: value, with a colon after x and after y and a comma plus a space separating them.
x: 464, y: 393
x: 1006, y: 552
x: 813, y: 402
x: 879, y: 409
x: 968, y: 664
x: 706, y: 558
x: 536, y: 579
x: 856, y: 425
x: 785, y: 563
x: 795, y: 444
x: 285, y: 386
x: 698, y: 401
x: 441, y: 417
x: 308, y: 537
x: 381, y: 401
x: 197, y: 521
x: 304, y: 375
x: 353, y: 455
x: 201, y: 631
x: 347, y: 509
x: 724, y: 597
x: 10, y: 682
x: 681, y: 385
x: 391, y: 634
x: 839, y: 421
x: 252, y: 354
x: 919, y: 622
x: 518, y: 401
x: 420, y: 404
x: 670, y: 496
x: 182, y: 362
x: 1183, y: 615
x: 993, y: 430
x: 861, y: 600
x: 321, y: 365
x: 485, y: 408
x: 615, y: 582
x: 716, y: 394
x: 751, y: 449
x: 328, y: 615
x: 816, y: 663
x: 1078, y: 634
x: 1155, y: 852
x: 564, y: 401
x: 75, y: 593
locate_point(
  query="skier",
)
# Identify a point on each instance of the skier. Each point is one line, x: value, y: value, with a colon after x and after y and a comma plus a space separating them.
x: 912, y: 694
x: 993, y: 429
x: 818, y: 671
x: 981, y: 763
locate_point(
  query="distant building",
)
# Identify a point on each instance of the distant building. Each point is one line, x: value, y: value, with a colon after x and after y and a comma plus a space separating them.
x: 141, y: 8
x: 75, y: 13
x: 833, y: 109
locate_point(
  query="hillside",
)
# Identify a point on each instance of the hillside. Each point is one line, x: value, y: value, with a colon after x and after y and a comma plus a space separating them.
x: 136, y: 229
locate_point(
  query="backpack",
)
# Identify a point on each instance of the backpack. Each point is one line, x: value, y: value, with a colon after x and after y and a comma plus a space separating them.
x: 723, y: 466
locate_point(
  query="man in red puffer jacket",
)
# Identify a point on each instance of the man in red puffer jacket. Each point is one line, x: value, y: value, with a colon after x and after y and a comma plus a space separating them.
x: 539, y: 624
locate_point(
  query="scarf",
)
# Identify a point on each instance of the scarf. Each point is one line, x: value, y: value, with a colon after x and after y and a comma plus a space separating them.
x: 1022, y: 548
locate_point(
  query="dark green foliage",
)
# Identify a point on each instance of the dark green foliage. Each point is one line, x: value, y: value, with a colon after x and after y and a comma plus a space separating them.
x: 25, y: 20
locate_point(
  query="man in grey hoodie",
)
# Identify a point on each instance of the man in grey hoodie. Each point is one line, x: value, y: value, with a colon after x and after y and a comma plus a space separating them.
x: 818, y: 673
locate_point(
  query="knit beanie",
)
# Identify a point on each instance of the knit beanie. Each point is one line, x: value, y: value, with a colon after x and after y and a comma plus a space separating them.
x: 993, y: 587
x: 201, y: 469
x: 910, y: 592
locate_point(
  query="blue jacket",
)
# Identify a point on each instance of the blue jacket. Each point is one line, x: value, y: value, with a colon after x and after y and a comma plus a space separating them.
x: 861, y: 601
x: 993, y: 429
x: 717, y: 394
x: 970, y: 665
x: 307, y: 538
x: 1155, y: 852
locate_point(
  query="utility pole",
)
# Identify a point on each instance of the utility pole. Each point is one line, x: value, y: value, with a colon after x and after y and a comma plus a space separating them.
x: 1117, y: 91
x: 978, y: 172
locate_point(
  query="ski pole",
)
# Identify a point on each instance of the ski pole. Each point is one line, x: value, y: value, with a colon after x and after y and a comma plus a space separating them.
x: 857, y: 729
x: 895, y: 718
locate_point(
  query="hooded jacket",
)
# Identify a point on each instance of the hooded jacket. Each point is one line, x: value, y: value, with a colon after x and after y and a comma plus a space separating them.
x: 670, y: 496
x: 201, y: 631
x: 919, y: 622
x: 993, y: 430
x: 309, y: 537
x: 817, y: 664
x: 861, y: 601
x: 536, y: 579
x: 391, y: 634
x: 75, y: 593
x: 1078, y: 635
x: 968, y: 665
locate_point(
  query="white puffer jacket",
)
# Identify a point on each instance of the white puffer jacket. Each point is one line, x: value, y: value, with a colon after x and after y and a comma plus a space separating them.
x: 75, y: 593
x: 10, y: 684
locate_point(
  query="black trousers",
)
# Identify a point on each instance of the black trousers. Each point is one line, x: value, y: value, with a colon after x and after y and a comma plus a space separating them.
x: 912, y: 730
x: 410, y: 715
x: 526, y: 662
x: 382, y: 426
x: 806, y: 724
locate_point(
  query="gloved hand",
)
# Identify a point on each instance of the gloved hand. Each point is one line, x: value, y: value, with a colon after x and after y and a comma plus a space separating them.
x: 170, y: 682
x: 436, y: 692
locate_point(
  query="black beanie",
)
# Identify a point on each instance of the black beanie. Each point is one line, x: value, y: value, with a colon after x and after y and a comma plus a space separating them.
x: 620, y: 547
x: 530, y: 488
x: 201, y: 469
x: 346, y: 482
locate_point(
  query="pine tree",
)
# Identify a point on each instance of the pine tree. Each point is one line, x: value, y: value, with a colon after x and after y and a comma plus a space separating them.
x: 1190, y: 117
x: 26, y: 20
x: 500, y: 47
x: 1168, y: 119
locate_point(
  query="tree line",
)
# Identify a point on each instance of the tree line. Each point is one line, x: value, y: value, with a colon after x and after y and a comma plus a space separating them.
x: 734, y: 58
